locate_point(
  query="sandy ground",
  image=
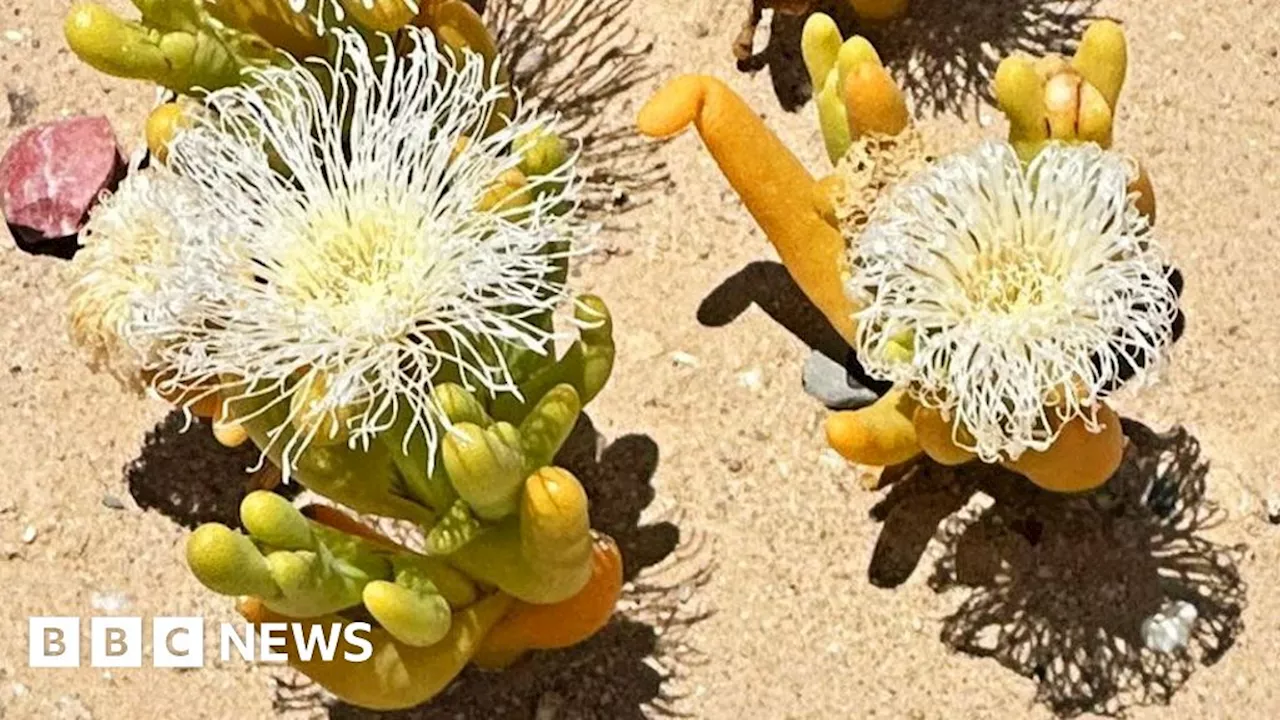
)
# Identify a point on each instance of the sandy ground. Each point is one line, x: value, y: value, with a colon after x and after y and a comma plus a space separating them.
x: 765, y: 582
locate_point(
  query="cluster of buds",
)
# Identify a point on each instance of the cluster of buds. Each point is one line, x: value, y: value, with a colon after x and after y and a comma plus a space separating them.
x: 855, y: 95
x: 1005, y: 291
x: 355, y: 260
x: 197, y: 46
x: 1053, y: 98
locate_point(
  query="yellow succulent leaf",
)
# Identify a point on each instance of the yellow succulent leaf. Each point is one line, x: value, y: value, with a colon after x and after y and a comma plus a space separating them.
x: 833, y: 120
x: 855, y: 51
x: 397, y: 676
x: 1020, y: 93
x: 1103, y: 59
x: 881, y: 434
x: 274, y: 21
x: 775, y: 187
x: 820, y: 46
x: 873, y: 102
x: 935, y: 435
x: 162, y: 125
x: 1079, y: 460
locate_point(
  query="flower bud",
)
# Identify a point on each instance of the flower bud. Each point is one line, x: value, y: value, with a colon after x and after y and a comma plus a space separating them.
x: 541, y: 152
x: 820, y: 46
x: 162, y: 125
x: 509, y: 192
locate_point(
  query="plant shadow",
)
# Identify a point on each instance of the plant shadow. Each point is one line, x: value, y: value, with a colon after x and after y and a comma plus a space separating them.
x: 622, y: 671
x: 185, y: 474
x: 782, y: 57
x: 944, y: 53
x: 1056, y: 588
x: 576, y: 59
x: 770, y: 287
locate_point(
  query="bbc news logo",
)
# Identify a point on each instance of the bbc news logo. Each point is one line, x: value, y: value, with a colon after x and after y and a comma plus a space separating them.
x: 178, y: 642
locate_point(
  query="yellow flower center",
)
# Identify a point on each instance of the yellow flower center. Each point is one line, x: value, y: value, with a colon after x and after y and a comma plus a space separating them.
x: 351, y: 266
x: 1011, y: 279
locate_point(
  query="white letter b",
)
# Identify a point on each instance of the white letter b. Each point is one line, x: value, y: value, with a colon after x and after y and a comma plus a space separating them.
x: 53, y: 642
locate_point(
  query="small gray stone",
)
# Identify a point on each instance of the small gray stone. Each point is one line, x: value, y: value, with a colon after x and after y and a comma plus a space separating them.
x: 828, y: 382
x: 22, y: 104
x: 111, y: 501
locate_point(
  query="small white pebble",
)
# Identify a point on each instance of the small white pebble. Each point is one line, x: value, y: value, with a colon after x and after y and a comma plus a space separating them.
x: 831, y: 460
x: 1176, y: 36
x: 751, y: 379
x: 1155, y: 634
x: 834, y: 648
x: 14, y: 36
x: 19, y: 689
x: 29, y: 534
x: 1170, y: 628
x: 680, y: 357
x: 109, y: 602
x: 1186, y: 612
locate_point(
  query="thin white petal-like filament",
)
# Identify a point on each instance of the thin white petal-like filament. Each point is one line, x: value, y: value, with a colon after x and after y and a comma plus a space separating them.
x: 1023, y: 291
x: 146, y: 244
x: 357, y: 251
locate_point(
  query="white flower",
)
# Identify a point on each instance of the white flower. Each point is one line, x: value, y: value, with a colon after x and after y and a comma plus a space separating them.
x: 1022, y: 291
x: 142, y: 248
x: 361, y: 268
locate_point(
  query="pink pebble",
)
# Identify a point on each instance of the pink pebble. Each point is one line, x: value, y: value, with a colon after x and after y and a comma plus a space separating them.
x: 54, y: 174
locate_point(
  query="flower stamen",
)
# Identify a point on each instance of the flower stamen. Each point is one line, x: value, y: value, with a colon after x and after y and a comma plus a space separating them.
x: 1023, y: 291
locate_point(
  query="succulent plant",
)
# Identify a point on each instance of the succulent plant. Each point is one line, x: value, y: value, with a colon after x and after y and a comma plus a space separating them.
x: 354, y: 260
x: 197, y: 46
x: 1006, y: 291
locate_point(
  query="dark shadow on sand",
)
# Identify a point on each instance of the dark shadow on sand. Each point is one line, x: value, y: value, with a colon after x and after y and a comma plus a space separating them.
x: 189, y: 477
x: 782, y: 57
x: 942, y: 52
x: 1055, y: 587
x: 769, y: 286
x: 576, y: 59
